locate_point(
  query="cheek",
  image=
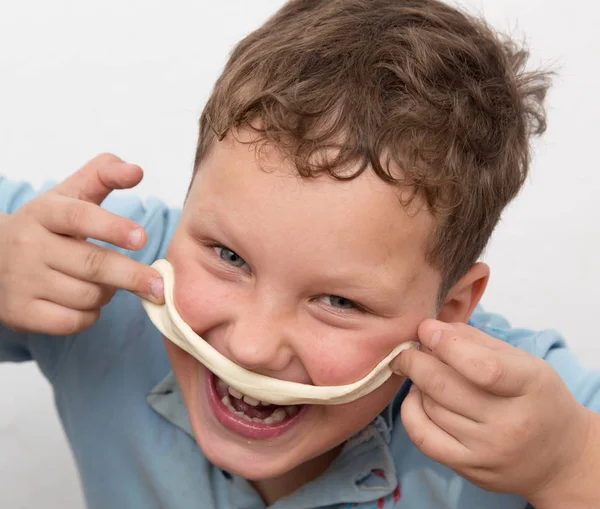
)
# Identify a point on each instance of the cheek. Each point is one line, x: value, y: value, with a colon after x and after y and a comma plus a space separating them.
x: 198, y: 296
x: 342, y: 360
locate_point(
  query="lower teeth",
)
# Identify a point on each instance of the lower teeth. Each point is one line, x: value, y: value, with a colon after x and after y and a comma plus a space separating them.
x: 276, y: 417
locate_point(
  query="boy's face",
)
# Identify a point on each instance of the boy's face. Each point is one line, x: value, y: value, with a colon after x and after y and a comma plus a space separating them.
x: 312, y: 281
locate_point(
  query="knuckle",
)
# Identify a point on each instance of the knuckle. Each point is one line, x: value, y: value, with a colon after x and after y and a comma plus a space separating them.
x: 23, y: 239
x: 522, y: 427
x: 91, y: 295
x: 90, y: 318
x: 94, y: 263
x: 436, y: 384
x: 429, y: 405
x: 32, y: 208
x: 72, y: 325
x: 418, y: 438
x: 106, y: 158
x: 505, y: 455
x: 429, y: 410
x: 404, y: 362
x: 74, y: 216
x: 80, y: 321
x: 139, y: 282
x: 490, y: 372
x: 137, y: 276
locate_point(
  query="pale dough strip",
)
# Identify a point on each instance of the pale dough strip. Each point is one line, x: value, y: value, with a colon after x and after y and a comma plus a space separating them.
x: 261, y: 387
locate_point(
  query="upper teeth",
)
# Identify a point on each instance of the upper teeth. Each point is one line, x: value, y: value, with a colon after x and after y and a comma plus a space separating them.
x: 251, y: 401
x: 277, y: 416
x: 238, y: 395
x: 235, y: 393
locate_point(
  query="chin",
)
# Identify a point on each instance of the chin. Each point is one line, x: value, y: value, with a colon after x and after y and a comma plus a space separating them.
x: 242, y: 462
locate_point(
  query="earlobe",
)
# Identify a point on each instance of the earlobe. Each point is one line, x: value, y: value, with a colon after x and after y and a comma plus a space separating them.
x: 464, y: 296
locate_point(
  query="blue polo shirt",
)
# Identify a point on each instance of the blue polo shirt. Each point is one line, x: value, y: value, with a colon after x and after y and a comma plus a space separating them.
x: 128, y: 428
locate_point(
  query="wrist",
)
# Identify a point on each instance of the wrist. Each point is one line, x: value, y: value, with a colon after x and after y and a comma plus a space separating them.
x: 576, y: 484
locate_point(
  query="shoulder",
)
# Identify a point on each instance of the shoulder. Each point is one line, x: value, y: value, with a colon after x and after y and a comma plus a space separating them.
x: 549, y: 345
x: 14, y: 194
x: 537, y: 342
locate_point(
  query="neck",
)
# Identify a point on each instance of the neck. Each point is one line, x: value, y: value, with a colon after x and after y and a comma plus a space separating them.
x: 281, y: 486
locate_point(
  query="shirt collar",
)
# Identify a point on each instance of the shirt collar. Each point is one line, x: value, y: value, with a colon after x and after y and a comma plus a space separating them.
x: 166, y: 400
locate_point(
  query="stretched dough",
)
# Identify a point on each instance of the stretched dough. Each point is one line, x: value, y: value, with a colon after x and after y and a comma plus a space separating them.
x: 261, y: 387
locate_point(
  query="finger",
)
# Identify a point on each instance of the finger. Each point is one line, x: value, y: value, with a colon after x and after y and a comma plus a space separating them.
x: 77, y: 218
x: 103, y: 174
x: 443, y: 384
x: 50, y: 318
x: 429, y: 438
x: 504, y: 372
x: 75, y: 294
x: 89, y: 262
x: 459, y: 427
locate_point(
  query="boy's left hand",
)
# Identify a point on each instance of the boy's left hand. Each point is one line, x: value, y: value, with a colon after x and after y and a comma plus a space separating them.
x: 496, y: 415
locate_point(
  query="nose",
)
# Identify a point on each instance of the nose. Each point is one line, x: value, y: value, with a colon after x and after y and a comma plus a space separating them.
x: 257, y: 341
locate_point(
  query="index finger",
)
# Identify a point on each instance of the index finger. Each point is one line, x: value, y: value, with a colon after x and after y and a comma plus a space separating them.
x: 96, y: 179
x: 89, y: 262
x: 502, y: 371
x: 443, y: 384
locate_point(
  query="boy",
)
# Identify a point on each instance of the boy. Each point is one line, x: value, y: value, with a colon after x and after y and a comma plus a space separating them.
x: 352, y: 162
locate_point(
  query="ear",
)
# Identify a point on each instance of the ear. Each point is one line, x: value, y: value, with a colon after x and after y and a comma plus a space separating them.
x: 465, y: 295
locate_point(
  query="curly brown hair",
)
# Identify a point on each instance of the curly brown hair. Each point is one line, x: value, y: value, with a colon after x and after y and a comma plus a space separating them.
x: 410, y: 84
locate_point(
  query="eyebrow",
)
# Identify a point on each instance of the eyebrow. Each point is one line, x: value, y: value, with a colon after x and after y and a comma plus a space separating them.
x: 376, y: 288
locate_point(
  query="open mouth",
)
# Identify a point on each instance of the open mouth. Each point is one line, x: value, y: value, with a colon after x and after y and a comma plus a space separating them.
x: 251, y: 409
x: 248, y: 416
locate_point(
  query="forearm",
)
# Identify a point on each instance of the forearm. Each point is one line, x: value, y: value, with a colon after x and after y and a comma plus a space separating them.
x: 579, y: 487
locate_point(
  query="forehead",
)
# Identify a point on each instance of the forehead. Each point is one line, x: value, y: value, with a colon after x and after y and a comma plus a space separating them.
x: 259, y: 195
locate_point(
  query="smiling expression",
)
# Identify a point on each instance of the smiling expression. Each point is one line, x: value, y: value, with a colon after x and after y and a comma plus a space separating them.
x: 312, y: 281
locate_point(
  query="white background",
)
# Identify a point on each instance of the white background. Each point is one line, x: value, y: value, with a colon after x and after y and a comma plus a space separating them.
x: 79, y: 77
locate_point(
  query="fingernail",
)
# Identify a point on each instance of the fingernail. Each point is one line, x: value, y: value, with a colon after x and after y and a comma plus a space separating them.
x: 435, y: 339
x: 135, y: 237
x: 157, y: 288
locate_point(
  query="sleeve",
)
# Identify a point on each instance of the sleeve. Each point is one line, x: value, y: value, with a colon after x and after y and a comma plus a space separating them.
x: 14, y: 194
x: 583, y: 383
x: 159, y: 222
x: 549, y: 345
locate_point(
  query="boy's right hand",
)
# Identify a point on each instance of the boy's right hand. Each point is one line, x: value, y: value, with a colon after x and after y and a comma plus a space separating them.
x: 52, y: 280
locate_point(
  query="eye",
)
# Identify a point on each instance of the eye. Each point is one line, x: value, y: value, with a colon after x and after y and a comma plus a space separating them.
x: 338, y: 302
x: 229, y: 256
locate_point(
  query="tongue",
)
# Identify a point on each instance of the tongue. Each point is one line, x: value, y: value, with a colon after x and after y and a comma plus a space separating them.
x: 261, y: 412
